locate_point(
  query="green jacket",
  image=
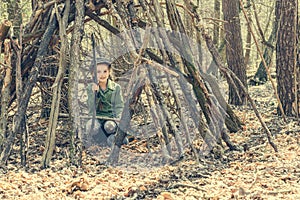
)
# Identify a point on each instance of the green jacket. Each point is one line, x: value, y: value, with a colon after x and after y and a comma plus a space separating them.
x: 109, y: 103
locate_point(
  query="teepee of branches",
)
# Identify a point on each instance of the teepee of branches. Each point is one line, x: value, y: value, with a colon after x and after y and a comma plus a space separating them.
x: 159, y: 56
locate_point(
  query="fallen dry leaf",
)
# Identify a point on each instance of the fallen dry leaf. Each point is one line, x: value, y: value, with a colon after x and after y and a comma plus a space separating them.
x: 166, y: 196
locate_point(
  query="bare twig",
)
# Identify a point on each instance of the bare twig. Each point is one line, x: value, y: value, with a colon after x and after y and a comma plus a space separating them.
x: 176, y: 185
x: 254, y: 181
x: 90, y: 117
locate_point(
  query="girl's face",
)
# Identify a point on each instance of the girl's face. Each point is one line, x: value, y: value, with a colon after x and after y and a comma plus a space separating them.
x: 103, y: 72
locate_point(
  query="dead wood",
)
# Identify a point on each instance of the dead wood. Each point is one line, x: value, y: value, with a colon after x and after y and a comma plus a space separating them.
x: 51, y: 134
x: 134, y: 91
x: 212, y: 133
x: 166, y: 114
x: 5, y: 92
x: 176, y: 185
x: 4, y: 29
x: 227, y: 72
x: 173, y: 14
x: 159, y: 112
x: 24, y: 139
x: 28, y: 86
x: 154, y: 111
x: 102, y: 22
x: 232, y: 122
x: 38, y: 48
x: 183, y: 119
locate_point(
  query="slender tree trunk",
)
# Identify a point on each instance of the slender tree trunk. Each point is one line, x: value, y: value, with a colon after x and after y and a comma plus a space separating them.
x: 51, y: 133
x: 217, y: 15
x: 14, y: 15
x: 24, y: 142
x: 4, y: 30
x: 75, y: 131
x: 234, y: 49
x: 286, y: 13
x: 212, y: 68
x: 5, y: 91
x: 298, y: 67
x: 248, y: 38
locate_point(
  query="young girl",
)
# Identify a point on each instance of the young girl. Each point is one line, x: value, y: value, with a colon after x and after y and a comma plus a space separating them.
x: 106, y: 98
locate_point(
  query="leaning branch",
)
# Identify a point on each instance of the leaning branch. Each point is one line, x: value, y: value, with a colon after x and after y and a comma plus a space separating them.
x: 264, y: 62
x: 228, y: 73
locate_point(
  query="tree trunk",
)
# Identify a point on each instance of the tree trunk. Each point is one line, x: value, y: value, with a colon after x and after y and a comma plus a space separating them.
x: 234, y: 49
x: 248, y: 38
x: 24, y: 142
x: 286, y: 13
x: 212, y: 68
x: 297, y: 69
x: 14, y: 11
x: 75, y: 131
x: 217, y: 15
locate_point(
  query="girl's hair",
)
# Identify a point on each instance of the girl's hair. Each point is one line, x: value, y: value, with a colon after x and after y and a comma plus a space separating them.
x: 104, y: 62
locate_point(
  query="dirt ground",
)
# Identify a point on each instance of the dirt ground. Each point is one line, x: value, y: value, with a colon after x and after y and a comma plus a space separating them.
x: 255, y: 172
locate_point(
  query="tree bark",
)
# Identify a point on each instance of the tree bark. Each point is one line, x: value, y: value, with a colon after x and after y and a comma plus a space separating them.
x: 73, y: 98
x: 286, y: 13
x: 5, y: 91
x: 234, y: 49
x: 17, y: 17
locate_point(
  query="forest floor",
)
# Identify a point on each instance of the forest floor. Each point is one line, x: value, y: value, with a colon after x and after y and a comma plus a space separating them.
x: 257, y: 172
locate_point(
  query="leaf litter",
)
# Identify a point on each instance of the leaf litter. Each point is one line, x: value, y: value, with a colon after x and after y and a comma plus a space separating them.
x: 257, y: 172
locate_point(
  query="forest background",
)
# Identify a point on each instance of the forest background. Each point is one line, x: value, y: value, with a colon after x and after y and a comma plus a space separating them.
x: 211, y: 98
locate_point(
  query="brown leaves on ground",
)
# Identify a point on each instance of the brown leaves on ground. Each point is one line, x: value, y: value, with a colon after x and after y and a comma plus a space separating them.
x: 257, y: 173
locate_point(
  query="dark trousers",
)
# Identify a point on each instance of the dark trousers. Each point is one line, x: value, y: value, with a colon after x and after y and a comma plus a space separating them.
x: 95, y: 136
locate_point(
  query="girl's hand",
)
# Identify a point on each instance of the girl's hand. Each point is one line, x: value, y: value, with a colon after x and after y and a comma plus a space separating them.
x: 95, y: 87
